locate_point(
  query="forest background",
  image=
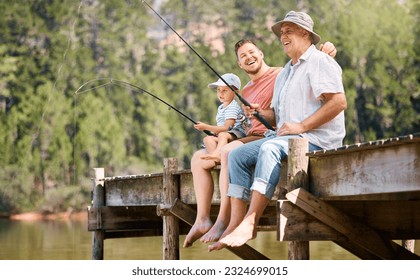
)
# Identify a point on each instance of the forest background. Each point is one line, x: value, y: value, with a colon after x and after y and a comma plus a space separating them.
x: 52, y: 138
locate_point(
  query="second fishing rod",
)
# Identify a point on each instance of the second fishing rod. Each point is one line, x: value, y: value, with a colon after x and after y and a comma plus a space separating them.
x: 243, y: 100
x: 111, y: 81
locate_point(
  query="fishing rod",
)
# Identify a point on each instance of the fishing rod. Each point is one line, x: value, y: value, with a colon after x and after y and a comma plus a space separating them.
x: 243, y: 100
x: 138, y: 89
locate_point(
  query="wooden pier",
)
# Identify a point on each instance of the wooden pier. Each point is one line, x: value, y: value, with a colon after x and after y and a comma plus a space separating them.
x: 363, y: 197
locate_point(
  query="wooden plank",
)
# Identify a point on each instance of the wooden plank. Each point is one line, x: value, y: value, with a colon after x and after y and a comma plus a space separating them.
x: 133, y: 233
x: 187, y: 214
x: 170, y: 223
x: 356, y: 250
x: 391, y: 219
x: 187, y: 194
x: 183, y: 212
x: 297, y: 225
x: 268, y: 220
x: 386, y: 196
x: 294, y: 224
x: 134, y: 190
x: 98, y: 201
x: 367, y: 172
x: 358, y: 233
x: 297, y: 177
x: 370, y: 145
x: 114, y: 218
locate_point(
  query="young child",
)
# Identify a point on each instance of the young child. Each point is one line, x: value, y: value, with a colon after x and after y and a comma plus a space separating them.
x: 229, y: 118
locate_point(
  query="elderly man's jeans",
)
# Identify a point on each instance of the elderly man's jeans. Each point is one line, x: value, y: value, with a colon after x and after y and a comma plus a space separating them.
x: 257, y: 166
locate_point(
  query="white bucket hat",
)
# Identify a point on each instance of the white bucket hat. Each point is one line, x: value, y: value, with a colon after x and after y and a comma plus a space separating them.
x: 300, y: 18
x: 230, y: 78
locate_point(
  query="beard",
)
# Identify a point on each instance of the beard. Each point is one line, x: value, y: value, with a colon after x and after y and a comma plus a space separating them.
x: 253, y: 71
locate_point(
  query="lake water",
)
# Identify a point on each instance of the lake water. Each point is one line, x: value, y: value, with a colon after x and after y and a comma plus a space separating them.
x: 70, y: 240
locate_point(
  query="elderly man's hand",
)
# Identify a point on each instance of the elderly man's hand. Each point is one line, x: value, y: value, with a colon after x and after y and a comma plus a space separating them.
x: 291, y: 128
x: 328, y: 48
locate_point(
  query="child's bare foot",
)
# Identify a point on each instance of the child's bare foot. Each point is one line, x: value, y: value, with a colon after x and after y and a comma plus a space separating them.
x: 242, y: 234
x: 214, y: 233
x: 197, y: 230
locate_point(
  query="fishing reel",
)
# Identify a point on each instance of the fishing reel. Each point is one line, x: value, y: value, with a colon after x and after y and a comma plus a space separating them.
x: 246, y: 122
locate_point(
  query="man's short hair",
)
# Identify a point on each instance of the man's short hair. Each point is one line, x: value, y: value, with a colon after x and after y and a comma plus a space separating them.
x: 242, y: 42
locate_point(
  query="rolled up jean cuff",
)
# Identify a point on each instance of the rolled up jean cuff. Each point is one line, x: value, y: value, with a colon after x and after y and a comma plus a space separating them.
x: 263, y: 187
x: 239, y: 192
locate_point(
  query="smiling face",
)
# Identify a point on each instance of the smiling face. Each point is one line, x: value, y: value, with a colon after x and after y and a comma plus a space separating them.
x: 250, y: 58
x: 294, y: 40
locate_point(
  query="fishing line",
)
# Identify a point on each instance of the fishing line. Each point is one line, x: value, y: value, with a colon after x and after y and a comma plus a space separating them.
x: 37, y: 130
x: 78, y: 91
x: 112, y: 81
x: 243, y: 100
x: 75, y: 115
x: 54, y: 86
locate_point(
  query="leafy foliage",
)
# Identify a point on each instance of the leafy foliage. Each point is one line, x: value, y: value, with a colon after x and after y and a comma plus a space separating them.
x: 51, y: 138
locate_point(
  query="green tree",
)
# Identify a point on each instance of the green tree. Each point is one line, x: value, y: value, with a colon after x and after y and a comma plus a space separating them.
x: 51, y: 138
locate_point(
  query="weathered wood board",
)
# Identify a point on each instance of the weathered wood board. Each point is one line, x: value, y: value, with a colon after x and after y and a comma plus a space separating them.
x: 136, y: 190
x: 388, y: 170
x: 392, y: 219
x: 372, y: 189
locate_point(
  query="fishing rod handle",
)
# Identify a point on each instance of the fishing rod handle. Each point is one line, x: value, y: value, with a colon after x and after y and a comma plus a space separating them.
x: 209, y: 133
x: 263, y: 121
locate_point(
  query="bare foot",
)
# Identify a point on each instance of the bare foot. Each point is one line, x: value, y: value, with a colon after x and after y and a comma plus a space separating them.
x: 242, y: 234
x: 216, y: 246
x: 197, y: 230
x: 214, y: 233
x: 215, y: 157
x: 219, y: 245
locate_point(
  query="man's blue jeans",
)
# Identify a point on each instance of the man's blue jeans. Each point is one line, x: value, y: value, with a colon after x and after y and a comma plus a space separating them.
x: 265, y: 155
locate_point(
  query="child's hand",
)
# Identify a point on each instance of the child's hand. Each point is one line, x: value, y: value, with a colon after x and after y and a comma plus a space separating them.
x: 200, y: 126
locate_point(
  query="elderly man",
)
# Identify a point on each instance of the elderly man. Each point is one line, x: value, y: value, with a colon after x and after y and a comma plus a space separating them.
x: 308, y: 102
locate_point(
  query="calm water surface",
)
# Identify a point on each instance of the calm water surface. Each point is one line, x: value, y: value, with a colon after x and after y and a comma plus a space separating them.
x: 70, y: 240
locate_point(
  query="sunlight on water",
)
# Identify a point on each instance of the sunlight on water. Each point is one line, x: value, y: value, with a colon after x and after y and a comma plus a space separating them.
x: 70, y: 240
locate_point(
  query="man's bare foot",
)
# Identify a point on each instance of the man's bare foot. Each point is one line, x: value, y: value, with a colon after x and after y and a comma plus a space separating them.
x: 197, y: 230
x: 216, y: 246
x: 242, y: 234
x: 214, y: 233
x: 215, y: 157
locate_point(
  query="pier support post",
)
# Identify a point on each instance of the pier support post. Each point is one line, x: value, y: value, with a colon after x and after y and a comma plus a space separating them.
x: 170, y: 223
x: 297, y: 177
x: 98, y: 202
